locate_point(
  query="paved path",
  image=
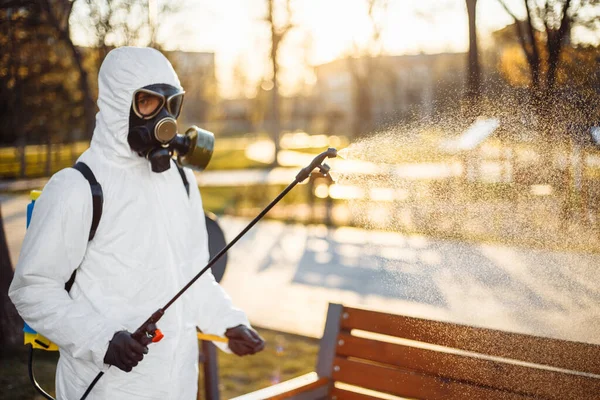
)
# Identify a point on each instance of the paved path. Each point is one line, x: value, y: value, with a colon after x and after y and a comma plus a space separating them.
x: 284, y: 276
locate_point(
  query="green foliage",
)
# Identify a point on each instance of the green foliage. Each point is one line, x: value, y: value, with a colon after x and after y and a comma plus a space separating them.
x: 232, y: 159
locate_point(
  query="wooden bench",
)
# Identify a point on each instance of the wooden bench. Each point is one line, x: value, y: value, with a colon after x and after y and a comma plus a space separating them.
x: 368, y: 355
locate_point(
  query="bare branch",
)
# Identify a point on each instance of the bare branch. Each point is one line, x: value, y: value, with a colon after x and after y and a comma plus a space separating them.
x: 565, y: 21
x: 520, y: 32
x: 508, y: 11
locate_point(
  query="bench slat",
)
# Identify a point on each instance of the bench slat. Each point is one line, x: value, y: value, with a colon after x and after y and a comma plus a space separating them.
x: 412, y: 384
x: 576, y: 356
x: 497, y: 374
x: 308, y: 386
x: 341, y: 394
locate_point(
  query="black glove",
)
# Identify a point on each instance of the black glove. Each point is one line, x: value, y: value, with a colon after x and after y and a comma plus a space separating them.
x: 244, y: 340
x: 124, y: 352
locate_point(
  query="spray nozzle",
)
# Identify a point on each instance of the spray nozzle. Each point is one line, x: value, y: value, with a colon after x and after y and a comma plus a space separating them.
x: 317, y: 162
x: 324, y: 169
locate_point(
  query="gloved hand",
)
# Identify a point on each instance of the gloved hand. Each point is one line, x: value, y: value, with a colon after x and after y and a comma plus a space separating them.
x: 244, y: 340
x: 124, y: 352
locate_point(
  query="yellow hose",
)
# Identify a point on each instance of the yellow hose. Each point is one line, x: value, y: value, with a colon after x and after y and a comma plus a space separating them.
x: 212, y: 338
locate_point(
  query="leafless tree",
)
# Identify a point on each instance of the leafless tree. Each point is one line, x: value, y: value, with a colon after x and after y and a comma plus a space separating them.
x: 278, y: 30
x: 545, y: 30
x: 473, y: 71
x: 363, y: 65
x: 564, y: 111
x: 113, y: 23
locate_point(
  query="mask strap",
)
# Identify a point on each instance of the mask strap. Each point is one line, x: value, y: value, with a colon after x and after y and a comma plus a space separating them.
x: 183, y: 178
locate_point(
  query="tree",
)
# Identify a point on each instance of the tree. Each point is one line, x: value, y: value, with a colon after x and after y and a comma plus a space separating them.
x: 241, y: 81
x: 545, y: 31
x: 561, y: 85
x: 364, y: 66
x: 11, y: 324
x: 278, y: 31
x: 114, y: 23
x: 107, y: 24
x: 58, y: 13
x: 38, y: 103
x: 47, y: 25
x: 473, y: 71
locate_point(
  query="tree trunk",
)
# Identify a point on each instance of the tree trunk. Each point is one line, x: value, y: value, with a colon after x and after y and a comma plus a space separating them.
x: 64, y: 34
x: 554, y: 47
x: 276, y: 38
x: 275, y: 119
x: 362, y: 118
x: 48, y: 169
x: 364, y: 109
x: 22, y: 152
x: 89, y: 110
x: 16, y: 112
x: 530, y: 50
x: 11, y: 324
x: 474, y: 76
x: 555, y: 40
x: 534, y: 55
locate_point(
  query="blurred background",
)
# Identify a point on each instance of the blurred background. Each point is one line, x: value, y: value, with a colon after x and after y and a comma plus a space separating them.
x: 275, y: 80
x: 476, y: 121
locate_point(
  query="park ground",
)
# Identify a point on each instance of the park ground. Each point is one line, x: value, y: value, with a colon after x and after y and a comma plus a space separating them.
x: 297, y: 269
x: 518, y: 274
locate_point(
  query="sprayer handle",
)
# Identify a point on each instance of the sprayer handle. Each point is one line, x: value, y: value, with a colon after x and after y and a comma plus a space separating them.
x: 155, y: 335
x: 158, y: 335
x: 148, y: 328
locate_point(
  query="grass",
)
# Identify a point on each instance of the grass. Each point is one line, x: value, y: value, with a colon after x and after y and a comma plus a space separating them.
x: 232, y: 159
x: 36, y: 156
x: 477, y: 213
x: 228, y: 154
x: 14, y: 378
x: 232, y: 199
x: 491, y: 212
x: 285, y: 356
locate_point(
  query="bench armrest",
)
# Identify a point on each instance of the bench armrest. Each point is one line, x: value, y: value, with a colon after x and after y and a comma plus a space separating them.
x: 308, y: 386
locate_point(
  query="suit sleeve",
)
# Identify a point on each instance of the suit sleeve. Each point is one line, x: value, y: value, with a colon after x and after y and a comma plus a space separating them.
x: 216, y: 311
x: 54, y: 246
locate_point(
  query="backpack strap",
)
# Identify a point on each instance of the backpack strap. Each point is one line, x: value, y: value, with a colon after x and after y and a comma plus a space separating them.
x: 184, y: 179
x: 97, y: 202
x: 97, y: 196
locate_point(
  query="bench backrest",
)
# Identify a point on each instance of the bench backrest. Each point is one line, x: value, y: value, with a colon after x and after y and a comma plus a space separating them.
x: 424, y: 359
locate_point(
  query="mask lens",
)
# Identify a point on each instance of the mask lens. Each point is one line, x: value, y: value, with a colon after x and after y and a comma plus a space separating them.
x: 148, y: 104
x: 175, y: 103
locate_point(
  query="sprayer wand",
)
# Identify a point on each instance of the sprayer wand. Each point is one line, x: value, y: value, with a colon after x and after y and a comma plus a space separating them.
x: 147, y: 328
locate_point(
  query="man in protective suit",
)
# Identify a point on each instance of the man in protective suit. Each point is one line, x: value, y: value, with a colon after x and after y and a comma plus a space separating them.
x: 151, y: 241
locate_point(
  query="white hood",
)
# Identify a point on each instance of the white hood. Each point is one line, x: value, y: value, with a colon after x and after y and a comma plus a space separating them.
x: 123, y: 71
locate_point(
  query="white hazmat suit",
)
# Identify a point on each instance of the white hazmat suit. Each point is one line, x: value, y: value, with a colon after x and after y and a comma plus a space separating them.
x: 150, y: 241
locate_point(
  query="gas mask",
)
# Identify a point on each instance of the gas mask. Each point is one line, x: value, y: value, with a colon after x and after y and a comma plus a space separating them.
x: 153, y: 130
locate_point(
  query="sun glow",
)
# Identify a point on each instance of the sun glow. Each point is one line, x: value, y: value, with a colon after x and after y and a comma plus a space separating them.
x: 323, y: 31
